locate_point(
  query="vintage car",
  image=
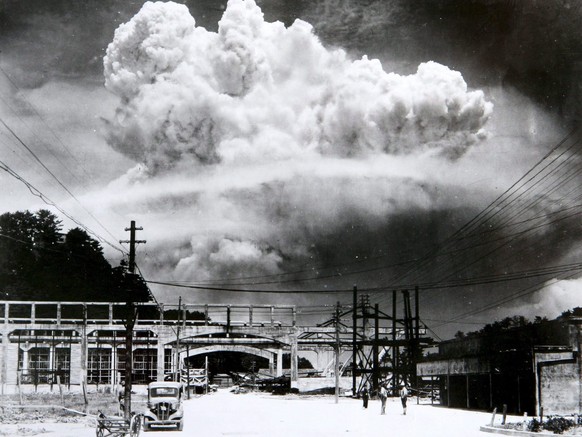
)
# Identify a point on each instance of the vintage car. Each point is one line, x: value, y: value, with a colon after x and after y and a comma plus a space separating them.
x: 164, y: 407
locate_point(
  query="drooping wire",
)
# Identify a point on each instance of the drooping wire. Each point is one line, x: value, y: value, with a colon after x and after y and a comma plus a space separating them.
x: 36, y: 192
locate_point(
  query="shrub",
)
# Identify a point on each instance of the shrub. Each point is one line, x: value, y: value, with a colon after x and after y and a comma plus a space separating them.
x: 534, y: 425
x: 555, y: 424
x: 558, y: 424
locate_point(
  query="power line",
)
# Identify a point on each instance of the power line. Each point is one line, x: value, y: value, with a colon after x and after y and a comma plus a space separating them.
x: 246, y: 290
x: 36, y: 192
x: 48, y: 127
x: 61, y: 184
x: 494, y: 207
x: 482, y: 280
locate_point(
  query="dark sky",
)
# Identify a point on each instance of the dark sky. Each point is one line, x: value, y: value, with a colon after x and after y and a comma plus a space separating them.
x: 534, y: 46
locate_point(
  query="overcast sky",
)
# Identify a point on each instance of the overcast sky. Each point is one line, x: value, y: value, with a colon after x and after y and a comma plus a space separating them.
x: 304, y: 145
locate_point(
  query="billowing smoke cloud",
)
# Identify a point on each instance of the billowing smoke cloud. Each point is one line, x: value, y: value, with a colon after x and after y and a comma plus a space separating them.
x: 260, y: 91
x: 550, y: 301
x: 263, y: 149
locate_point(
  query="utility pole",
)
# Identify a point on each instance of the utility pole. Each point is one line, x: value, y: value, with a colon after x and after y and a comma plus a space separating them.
x: 354, y: 339
x: 132, y: 242
x: 130, y: 319
x: 177, y: 353
x: 337, y: 351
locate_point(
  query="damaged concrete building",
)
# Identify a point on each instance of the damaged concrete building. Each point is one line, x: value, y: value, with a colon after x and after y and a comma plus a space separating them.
x: 534, y: 369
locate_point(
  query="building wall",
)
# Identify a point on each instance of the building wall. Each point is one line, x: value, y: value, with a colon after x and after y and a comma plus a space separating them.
x: 525, y: 379
x: 150, y: 351
x: 458, y: 366
x: 558, y: 380
x: 11, y: 364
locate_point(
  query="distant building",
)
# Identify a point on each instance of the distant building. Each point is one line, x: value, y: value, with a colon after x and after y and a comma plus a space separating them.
x: 528, y: 369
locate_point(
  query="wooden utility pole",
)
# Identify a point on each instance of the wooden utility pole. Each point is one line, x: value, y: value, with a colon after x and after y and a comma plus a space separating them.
x: 130, y: 320
x: 375, y: 351
x: 337, y: 351
x: 354, y: 339
x: 177, y: 353
x: 395, y: 364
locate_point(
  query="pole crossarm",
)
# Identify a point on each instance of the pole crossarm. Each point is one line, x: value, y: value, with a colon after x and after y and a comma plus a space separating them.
x: 131, y: 318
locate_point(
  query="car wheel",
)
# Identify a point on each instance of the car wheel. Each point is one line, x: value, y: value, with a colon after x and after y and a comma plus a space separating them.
x: 180, y: 425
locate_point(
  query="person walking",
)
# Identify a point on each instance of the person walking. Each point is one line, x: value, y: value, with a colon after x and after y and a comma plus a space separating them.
x: 365, y: 397
x: 403, y: 398
x: 383, y: 398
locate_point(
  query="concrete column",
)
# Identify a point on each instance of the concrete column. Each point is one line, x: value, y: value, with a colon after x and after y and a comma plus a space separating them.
x: 76, y: 367
x: 25, y: 348
x: 294, y: 364
x: 161, y: 357
x: 320, y: 360
x: 113, y: 367
x: 51, y: 356
x: 271, y: 364
x: 279, y: 362
x: 11, y: 361
x: 4, y: 360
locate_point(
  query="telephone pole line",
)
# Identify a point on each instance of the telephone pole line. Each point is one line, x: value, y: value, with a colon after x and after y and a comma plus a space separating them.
x: 132, y: 242
x: 130, y: 318
x: 337, y: 352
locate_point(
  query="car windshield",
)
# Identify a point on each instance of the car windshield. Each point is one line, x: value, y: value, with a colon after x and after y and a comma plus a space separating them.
x: 165, y: 392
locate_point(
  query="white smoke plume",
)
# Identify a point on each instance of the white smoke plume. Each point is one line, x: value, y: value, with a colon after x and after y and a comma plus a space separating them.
x: 263, y: 143
x: 258, y: 90
x: 550, y: 301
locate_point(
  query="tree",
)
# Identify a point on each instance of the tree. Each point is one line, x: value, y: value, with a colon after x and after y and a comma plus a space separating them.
x: 126, y: 286
x: 459, y: 335
x: 39, y: 262
x: 85, y: 269
x: 574, y: 312
x: 25, y: 240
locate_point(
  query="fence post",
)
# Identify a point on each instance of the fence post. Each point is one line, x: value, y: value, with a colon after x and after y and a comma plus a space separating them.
x: 493, y: 416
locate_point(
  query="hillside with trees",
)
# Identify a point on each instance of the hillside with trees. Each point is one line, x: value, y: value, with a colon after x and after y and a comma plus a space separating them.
x: 38, y: 261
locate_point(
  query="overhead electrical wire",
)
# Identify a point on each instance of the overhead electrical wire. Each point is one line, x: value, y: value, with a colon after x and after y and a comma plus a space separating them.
x: 37, y: 160
x: 491, y: 210
x: 495, y: 304
x: 35, y: 111
x: 56, y: 178
x: 551, y: 173
x: 485, y: 216
x: 36, y: 192
x: 242, y: 281
x: 425, y: 286
x: 562, y: 181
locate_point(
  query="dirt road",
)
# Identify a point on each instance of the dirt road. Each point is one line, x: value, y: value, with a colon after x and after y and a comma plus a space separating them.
x: 257, y: 414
